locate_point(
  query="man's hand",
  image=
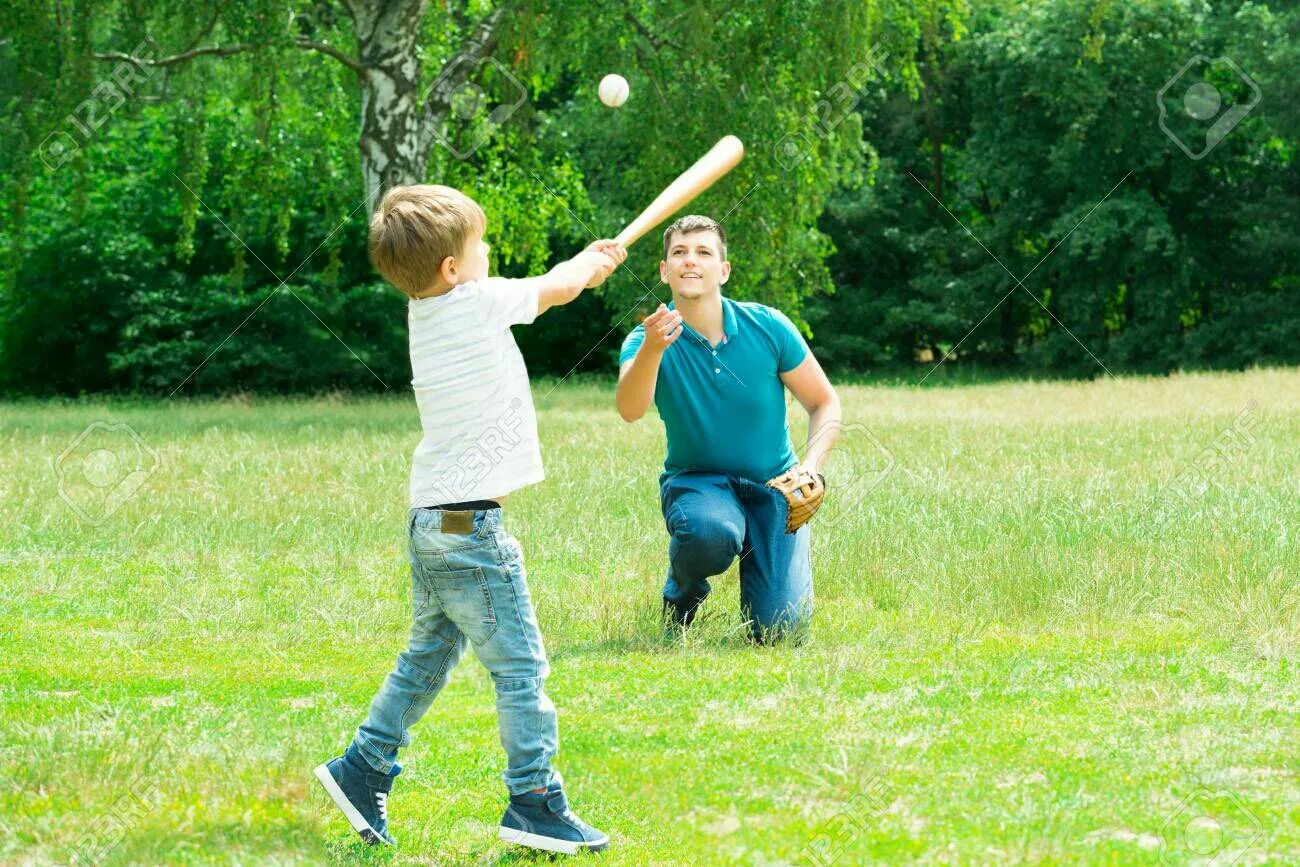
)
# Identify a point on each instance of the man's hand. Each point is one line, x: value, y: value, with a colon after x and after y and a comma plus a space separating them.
x: 662, y: 328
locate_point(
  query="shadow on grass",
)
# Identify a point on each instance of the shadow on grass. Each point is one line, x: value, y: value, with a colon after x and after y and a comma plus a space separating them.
x: 356, y: 852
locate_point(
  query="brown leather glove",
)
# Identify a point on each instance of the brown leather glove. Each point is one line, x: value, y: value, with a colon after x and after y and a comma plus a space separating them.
x: 803, y: 494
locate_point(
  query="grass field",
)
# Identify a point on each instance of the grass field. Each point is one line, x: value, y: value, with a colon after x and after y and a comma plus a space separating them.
x: 1056, y: 623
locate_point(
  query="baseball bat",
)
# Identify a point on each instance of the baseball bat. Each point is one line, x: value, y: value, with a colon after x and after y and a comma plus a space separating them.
x: 721, y: 158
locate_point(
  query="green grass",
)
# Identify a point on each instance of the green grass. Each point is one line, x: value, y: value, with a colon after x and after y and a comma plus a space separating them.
x: 1024, y: 649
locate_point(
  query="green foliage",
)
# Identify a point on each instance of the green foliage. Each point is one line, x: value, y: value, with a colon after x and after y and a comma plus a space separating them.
x: 289, y: 346
x: 782, y: 77
x: 1022, y: 131
x: 215, y: 179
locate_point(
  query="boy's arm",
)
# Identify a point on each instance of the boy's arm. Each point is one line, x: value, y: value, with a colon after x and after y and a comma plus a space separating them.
x: 588, y: 269
x: 636, y: 378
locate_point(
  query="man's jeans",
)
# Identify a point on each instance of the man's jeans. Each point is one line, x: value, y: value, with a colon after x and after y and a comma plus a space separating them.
x: 713, y: 518
x: 468, y: 584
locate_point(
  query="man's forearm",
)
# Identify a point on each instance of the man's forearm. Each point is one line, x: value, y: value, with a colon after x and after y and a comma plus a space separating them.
x: 637, y: 387
x: 824, y: 425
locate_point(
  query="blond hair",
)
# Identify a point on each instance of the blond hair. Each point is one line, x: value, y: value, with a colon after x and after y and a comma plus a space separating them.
x: 415, y: 228
x: 696, y: 223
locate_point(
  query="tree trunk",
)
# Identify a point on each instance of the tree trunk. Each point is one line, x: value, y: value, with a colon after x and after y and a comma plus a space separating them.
x: 1008, y: 329
x: 390, y: 94
x: 397, y: 124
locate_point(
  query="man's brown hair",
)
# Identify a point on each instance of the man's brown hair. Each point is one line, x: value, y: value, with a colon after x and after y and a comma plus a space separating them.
x: 415, y: 228
x: 696, y: 223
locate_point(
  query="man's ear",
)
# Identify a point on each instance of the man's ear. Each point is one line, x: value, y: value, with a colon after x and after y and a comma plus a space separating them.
x: 663, y: 271
x: 447, y: 270
x: 726, y: 272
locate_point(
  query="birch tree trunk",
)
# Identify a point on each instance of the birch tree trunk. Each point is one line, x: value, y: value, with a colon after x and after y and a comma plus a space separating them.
x: 390, y: 94
x: 397, y: 119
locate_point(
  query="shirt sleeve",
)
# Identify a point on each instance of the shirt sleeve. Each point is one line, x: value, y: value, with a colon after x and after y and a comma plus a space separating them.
x: 631, y: 344
x: 508, y: 302
x: 791, y: 349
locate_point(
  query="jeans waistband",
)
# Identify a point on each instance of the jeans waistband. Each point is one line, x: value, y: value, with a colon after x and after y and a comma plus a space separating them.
x: 481, y: 522
x: 467, y: 506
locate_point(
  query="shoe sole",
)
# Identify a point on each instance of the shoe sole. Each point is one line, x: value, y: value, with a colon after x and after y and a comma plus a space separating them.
x: 550, y: 844
x: 358, y: 822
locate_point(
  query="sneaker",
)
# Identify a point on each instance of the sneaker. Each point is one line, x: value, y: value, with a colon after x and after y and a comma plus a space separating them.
x: 543, y: 820
x: 361, y: 793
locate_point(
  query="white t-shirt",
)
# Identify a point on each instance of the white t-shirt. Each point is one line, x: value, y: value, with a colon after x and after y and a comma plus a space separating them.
x: 471, y: 386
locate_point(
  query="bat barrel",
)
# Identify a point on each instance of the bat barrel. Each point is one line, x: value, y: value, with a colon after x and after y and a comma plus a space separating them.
x: 720, y: 159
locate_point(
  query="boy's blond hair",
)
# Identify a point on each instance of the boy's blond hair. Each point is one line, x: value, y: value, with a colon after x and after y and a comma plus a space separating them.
x: 416, y: 227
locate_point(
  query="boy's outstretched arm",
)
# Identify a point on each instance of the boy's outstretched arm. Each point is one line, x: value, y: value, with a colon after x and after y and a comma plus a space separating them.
x: 588, y: 269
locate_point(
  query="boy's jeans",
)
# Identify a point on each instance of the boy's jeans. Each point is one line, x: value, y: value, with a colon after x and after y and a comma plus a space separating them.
x: 468, y: 583
x: 713, y: 518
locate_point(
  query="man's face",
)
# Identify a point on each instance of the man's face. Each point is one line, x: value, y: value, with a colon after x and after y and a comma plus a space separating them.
x: 694, y: 267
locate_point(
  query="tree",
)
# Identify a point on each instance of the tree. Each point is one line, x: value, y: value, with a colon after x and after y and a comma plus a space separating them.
x: 399, y: 110
x: 1040, y: 135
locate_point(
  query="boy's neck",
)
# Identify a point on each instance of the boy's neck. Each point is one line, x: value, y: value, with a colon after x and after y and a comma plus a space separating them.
x: 704, y: 314
x: 440, y: 289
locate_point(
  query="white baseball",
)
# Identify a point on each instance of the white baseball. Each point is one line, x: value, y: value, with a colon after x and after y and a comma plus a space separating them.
x: 613, y: 90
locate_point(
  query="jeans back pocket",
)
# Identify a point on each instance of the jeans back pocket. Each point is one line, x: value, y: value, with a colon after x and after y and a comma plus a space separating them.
x: 464, y: 596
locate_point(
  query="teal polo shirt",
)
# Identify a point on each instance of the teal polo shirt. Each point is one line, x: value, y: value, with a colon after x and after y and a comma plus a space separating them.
x: 723, y: 406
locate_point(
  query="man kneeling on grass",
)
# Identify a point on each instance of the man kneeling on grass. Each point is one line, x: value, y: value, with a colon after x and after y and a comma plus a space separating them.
x: 717, y: 371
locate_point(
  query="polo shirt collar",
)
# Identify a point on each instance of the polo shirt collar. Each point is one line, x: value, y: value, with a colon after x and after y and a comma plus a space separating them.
x: 728, y: 319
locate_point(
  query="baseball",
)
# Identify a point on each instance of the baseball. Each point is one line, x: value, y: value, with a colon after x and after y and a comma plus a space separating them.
x: 613, y: 90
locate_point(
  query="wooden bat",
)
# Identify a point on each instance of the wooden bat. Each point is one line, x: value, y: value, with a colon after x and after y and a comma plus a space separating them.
x: 721, y: 158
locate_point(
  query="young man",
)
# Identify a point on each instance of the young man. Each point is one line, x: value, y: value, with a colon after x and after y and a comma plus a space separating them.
x: 467, y: 572
x: 717, y: 371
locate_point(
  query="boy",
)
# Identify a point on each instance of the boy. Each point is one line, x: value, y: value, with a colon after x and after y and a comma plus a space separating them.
x: 467, y: 573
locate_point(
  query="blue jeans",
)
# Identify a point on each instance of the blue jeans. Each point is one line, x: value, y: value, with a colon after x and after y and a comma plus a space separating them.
x: 712, y: 518
x: 469, y: 587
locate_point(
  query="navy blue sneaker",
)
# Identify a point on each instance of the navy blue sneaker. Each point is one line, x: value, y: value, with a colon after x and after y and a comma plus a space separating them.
x: 543, y: 820
x: 361, y: 793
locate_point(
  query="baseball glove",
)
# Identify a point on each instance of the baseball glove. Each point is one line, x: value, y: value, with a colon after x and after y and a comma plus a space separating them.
x: 803, y: 494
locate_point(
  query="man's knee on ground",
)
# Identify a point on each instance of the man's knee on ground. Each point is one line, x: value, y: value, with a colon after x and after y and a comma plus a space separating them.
x: 708, y: 545
x: 789, y: 624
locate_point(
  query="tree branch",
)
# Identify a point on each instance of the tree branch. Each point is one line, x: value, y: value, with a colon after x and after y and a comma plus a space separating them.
x: 350, y: 62
x: 216, y: 50
x: 656, y: 42
x: 198, y: 37
x: 227, y: 51
x: 478, y: 45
